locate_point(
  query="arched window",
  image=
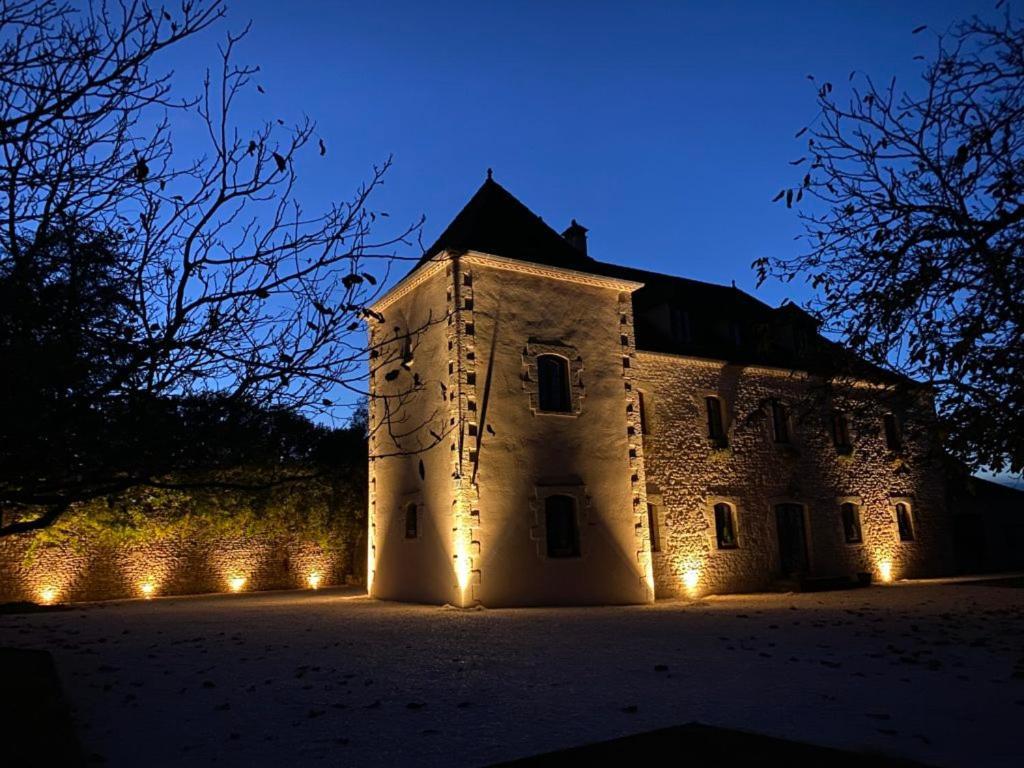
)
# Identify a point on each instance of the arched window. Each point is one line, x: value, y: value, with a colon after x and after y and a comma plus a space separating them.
x: 851, y: 523
x: 412, y: 522
x: 553, y: 394
x: 725, y: 526
x: 563, y: 538
x: 906, y: 525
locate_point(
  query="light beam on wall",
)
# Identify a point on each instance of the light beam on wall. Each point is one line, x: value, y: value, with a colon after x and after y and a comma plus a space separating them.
x: 237, y: 583
x: 690, y: 579
x: 313, y: 580
x: 147, y: 588
x: 48, y: 595
x: 885, y: 571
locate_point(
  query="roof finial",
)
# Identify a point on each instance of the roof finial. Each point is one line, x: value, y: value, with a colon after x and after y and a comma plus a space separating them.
x: 490, y: 174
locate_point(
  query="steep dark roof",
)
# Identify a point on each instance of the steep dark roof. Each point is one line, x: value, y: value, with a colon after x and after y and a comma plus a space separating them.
x: 725, y: 323
x: 495, y: 222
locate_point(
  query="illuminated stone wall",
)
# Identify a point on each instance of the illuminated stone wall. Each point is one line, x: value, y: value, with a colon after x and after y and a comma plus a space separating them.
x: 83, y: 568
x: 687, y: 474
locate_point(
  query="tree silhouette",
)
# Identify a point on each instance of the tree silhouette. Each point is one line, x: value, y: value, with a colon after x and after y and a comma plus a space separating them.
x: 913, y: 209
x: 143, y: 292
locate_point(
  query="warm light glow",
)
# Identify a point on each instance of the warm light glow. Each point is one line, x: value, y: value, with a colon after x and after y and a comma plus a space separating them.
x: 147, y: 588
x: 48, y: 595
x: 313, y: 580
x: 237, y: 583
x: 885, y: 571
x: 690, y: 579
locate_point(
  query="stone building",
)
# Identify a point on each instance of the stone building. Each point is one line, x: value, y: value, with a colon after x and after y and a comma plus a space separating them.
x: 551, y: 429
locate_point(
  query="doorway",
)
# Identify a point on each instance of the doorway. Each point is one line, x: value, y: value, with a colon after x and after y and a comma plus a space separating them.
x: 793, y: 559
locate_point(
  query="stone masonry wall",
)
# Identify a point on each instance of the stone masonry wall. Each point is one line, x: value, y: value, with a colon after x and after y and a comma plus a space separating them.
x: 687, y: 474
x: 84, y: 569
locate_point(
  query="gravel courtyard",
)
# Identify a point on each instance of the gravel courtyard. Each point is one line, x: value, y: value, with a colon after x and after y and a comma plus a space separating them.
x: 934, y: 672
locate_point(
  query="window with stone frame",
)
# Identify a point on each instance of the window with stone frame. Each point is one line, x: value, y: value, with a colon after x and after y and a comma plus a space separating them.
x: 552, y: 378
x: 841, y: 432
x: 851, y: 523
x: 904, y: 522
x: 716, y: 423
x: 725, y: 526
x: 561, y: 526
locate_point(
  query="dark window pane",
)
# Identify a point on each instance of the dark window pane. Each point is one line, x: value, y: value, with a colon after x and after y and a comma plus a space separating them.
x: 716, y: 430
x: 903, y: 521
x: 562, y: 534
x: 725, y: 529
x: 780, y: 422
x: 412, y: 522
x: 553, y: 385
x: 893, y: 439
x: 652, y: 525
x: 841, y: 432
x: 851, y: 523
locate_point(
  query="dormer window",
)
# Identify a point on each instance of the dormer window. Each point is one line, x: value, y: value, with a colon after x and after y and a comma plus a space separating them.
x: 553, y: 393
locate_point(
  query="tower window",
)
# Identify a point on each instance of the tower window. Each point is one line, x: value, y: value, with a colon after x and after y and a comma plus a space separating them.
x: 553, y: 384
x: 904, y: 522
x: 780, y: 422
x: 716, y: 428
x: 412, y: 523
x: 851, y: 523
x: 725, y: 526
x: 563, y: 539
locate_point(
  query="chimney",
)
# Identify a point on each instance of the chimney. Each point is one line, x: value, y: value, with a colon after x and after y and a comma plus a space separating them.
x: 576, y: 235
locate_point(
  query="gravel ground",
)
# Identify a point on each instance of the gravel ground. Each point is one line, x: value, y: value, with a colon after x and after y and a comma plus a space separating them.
x: 929, y: 671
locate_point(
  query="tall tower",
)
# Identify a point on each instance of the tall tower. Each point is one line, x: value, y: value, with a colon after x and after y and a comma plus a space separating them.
x: 508, y: 466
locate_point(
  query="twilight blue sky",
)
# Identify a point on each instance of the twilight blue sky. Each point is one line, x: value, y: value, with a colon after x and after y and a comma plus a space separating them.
x: 664, y: 127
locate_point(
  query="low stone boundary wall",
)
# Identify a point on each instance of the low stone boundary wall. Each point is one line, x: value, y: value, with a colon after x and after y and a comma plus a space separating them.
x: 80, y: 569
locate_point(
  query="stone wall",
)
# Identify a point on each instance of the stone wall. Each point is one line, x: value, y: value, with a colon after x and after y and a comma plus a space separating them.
x: 87, y: 566
x: 687, y: 474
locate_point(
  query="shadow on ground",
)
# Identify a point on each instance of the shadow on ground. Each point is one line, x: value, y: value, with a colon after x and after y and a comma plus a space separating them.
x: 36, y: 722
x: 716, y: 746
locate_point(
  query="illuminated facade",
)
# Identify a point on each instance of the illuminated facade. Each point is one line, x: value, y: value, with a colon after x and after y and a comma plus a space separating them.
x: 550, y: 429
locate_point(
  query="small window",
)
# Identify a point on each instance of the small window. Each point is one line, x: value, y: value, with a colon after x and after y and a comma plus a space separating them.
x: 679, y: 324
x: 716, y: 430
x: 725, y: 526
x: 893, y: 438
x: 904, y: 522
x: 563, y: 538
x: 553, y: 384
x: 652, y: 526
x: 780, y: 422
x: 412, y: 522
x: 645, y: 424
x: 851, y: 523
x: 841, y: 432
